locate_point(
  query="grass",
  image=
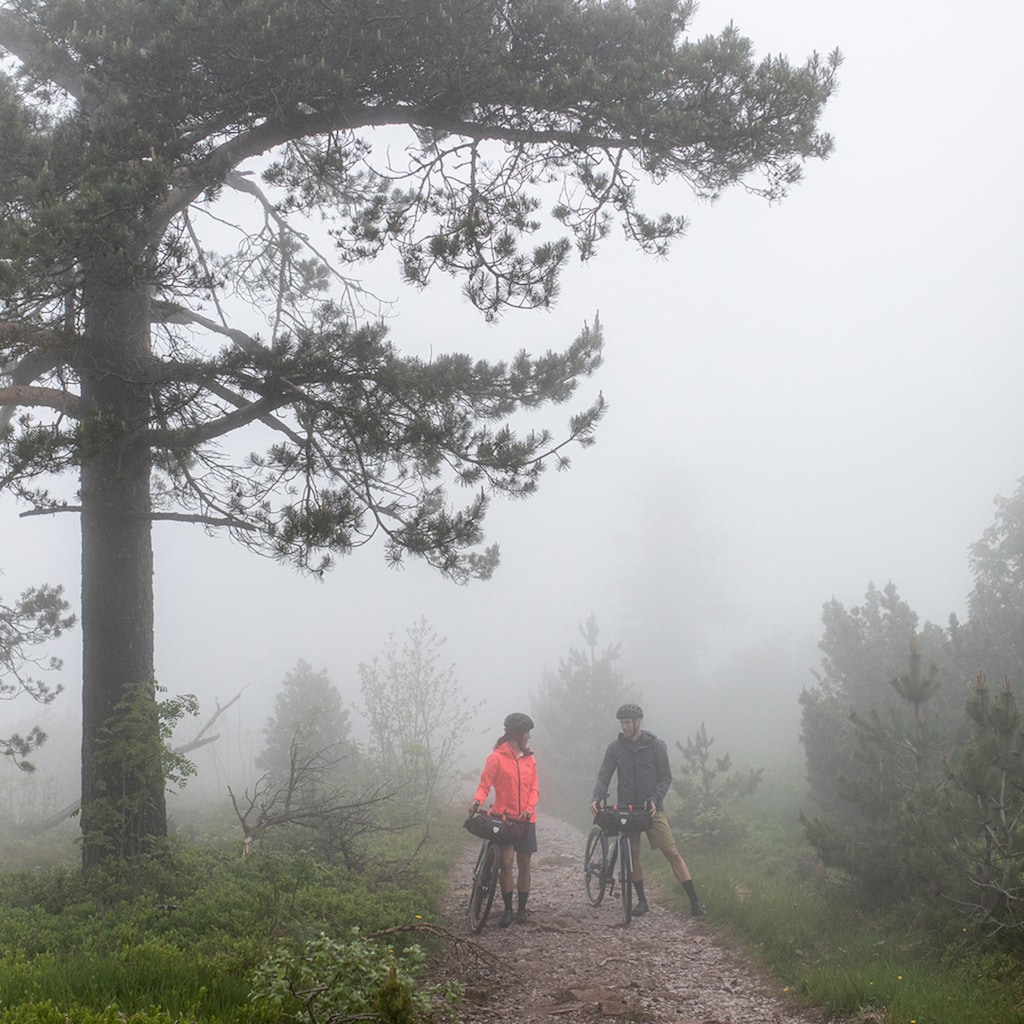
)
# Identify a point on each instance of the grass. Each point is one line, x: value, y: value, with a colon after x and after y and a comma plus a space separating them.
x: 179, y: 938
x: 907, y: 964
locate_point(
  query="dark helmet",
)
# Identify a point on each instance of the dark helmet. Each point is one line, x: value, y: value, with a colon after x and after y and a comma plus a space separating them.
x: 517, y: 723
x: 629, y: 711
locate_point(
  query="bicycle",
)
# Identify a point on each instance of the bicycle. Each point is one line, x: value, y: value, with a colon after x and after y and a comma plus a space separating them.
x: 609, y: 855
x: 494, y: 831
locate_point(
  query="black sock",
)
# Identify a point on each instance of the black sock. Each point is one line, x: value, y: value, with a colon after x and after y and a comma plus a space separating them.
x: 639, y: 886
x: 507, y: 897
x: 523, y: 897
x: 691, y: 892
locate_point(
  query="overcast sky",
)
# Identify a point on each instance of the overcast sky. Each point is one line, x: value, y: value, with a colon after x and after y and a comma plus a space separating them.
x: 804, y: 398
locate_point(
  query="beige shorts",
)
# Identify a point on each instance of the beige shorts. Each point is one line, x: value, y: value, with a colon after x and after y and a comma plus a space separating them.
x: 659, y: 835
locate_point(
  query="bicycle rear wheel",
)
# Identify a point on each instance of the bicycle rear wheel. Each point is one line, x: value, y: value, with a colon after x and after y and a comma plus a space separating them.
x: 626, y: 877
x: 595, y: 865
x: 485, y: 884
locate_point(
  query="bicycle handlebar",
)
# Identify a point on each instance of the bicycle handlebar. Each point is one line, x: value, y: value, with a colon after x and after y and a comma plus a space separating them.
x: 482, y: 812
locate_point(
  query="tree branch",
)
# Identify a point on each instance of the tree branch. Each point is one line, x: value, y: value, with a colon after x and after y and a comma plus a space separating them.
x: 170, y: 439
x: 198, y: 740
x: 169, y: 313
x: 218, y: 165
x: 21, y: 40
x: 50, y: 398
x: 172, y: 517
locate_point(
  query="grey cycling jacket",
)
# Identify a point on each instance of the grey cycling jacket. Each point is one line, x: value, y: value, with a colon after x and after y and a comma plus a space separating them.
x: 642, y: 769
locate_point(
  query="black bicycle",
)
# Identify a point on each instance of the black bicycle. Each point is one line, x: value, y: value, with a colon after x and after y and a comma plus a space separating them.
x: 609, y: 855
x: 494, y: 831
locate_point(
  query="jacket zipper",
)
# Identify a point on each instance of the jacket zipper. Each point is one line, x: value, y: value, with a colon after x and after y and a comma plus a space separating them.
x: 519, y: 787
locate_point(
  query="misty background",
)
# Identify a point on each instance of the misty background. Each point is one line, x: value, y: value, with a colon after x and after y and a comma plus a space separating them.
x: 804, y: 398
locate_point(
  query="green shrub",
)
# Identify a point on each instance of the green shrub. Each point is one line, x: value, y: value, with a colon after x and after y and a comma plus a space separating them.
x: 332, y: 979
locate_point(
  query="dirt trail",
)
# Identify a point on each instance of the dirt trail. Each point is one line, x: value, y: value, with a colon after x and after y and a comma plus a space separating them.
x: 577, y: 963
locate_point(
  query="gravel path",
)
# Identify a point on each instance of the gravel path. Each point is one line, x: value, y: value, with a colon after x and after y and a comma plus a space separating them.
x: 579, y: 963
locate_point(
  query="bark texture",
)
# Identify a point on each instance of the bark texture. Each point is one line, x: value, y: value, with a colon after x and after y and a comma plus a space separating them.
x: 122, y: 781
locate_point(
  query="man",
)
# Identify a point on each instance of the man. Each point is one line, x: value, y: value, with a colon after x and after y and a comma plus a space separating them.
x: 640, y: 760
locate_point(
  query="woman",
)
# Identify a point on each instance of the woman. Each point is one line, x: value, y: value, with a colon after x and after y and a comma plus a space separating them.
x: 512, y: 771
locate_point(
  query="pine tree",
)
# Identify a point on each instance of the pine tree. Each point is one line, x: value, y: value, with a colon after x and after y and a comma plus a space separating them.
x: 132, y: 128
x: 705, y: 786
x: 887, y: 834
x: 38, y: 616
x: 575, y: 708
x: 308, y: 713
x: 995, y: 627
x: 985, y: 807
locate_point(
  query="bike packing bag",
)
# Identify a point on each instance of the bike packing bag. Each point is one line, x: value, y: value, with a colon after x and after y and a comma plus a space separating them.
x: 616, y: 819
x: 497, y: 829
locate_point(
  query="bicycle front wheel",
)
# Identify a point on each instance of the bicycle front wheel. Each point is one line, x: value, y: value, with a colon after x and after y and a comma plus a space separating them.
x: 485, y: 883
x: 595, y: 865
x: 626, y: 878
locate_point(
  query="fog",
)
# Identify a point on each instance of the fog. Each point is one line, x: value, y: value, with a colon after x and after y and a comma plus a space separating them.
x: 804, y: 398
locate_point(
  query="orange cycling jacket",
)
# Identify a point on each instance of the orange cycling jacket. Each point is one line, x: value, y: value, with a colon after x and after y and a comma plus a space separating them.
x: 514, y: 780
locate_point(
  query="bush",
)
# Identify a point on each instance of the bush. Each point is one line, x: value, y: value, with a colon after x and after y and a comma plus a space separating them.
x: 331, y: 979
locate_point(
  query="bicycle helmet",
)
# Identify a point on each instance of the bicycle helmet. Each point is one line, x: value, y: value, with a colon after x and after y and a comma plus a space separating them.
x: 629, y: 711
x: 517, y: 723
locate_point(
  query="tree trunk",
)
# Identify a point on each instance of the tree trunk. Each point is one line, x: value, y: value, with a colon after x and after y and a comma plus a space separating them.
x: 123, y: 806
